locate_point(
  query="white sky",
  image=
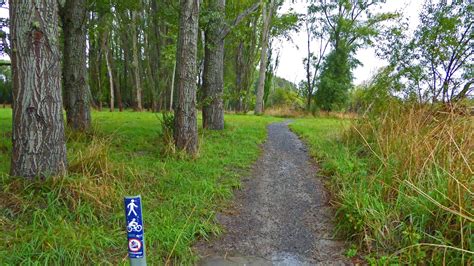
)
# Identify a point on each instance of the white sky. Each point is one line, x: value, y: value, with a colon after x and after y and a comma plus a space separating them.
x: 291, y: 58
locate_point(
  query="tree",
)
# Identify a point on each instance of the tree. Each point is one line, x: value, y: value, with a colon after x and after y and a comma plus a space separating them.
x: 313, y: 61
x: 76, y: 91
x: 213, y: 74
x: 135, y: 62
x: 350, y: 25
x: 39, y: 147
x: 186, y: 134
x: 246, y: 60
x: 437, y: 61
x: 267, y: 12
x: 335, y: 81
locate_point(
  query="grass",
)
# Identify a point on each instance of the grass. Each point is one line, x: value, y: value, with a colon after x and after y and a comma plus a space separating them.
x: 402, y: 182
x: 79, y: 218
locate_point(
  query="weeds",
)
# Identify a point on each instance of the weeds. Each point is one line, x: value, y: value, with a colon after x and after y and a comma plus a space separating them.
x: 167, y: 133
x: 403, y: 183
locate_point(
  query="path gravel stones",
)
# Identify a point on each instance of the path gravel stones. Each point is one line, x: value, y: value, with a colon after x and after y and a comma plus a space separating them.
x: 281, y: 216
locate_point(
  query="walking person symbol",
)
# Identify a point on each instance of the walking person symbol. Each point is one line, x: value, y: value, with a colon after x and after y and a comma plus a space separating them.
x: 131, y: 207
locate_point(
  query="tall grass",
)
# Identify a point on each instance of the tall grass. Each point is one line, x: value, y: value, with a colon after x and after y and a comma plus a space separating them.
x: 416, y: 199
x: 402, y: 182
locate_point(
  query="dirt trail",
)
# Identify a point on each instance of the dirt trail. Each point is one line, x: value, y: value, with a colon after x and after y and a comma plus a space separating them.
x: 281, y: 216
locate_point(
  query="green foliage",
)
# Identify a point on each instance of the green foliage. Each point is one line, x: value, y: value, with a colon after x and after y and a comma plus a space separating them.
x: 436, y: 61
x: 375, y: 96
x: 167, y: 124
x: 350, y: 25
x: 285, y: 97
x: 79, y: 219
x: 283, y: 25
x: 5, y: 83
x: 335, y: 81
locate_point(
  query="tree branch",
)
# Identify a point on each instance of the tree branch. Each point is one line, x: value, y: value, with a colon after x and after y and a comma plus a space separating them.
x: 239, y: 19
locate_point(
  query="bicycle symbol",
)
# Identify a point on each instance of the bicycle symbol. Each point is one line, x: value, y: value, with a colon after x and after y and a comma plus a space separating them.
x: 134, y: 226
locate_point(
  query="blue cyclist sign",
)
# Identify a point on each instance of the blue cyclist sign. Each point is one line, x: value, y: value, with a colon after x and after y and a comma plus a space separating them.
x: 133, y: 214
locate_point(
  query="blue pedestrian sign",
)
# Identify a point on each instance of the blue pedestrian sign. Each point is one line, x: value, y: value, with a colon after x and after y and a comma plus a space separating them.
x: 135, y: 232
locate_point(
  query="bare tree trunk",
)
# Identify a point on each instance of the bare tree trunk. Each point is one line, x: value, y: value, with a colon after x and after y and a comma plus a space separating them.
x: 126, y: 65
x: 239, y: 67
x: 74, y: 18
x: 39, y: 147
x: 308, y: 68
x: 186, y: 131
x: 213, y: 74
x: 267, y: 16
x: 172, y: 86
x: 117, y: 87
x: 111, y: 78
x: 135, y: 66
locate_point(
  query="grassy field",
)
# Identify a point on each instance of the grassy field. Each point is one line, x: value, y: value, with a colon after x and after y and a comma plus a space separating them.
x: 79, y: 219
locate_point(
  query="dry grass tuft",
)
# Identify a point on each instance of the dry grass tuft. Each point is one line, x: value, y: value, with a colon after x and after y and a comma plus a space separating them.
x: 285, y: 111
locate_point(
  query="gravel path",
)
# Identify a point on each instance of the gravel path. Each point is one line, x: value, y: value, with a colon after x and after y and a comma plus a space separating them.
x: 281, y: 216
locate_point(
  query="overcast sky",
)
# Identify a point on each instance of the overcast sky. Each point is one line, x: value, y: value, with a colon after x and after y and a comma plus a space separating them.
x: 291, y: 58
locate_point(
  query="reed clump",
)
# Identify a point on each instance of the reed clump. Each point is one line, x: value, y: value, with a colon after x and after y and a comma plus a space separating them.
x: 409, y: 193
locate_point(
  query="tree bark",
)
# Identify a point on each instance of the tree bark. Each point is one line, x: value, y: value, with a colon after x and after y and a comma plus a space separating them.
x: 213, y: 75
x: 39, y: 148
x: 239, y: 67
x: 135, y: 66
x: 111, y: 76
x: 267, y: 16
x: 186, y: 131
x: 74, y: 18
x: 308, y: 68
x: 172, y: 86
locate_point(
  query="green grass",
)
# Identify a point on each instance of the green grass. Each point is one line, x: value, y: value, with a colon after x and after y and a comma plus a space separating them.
x: 79, y: 219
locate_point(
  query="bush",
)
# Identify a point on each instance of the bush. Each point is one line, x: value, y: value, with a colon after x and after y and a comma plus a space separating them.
x: 285, y: 97
x: 167, y: 133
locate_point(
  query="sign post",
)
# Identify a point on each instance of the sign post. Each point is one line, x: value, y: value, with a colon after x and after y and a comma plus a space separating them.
x: 135, y: 230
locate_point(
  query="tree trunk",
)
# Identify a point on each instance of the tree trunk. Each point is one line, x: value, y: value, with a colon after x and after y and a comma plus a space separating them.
x: 74, y: 18
x: 39, y: 147
x: 126, y: 68
x: 158, y: 45
x: 136, y: 69
x: 213, y: 75
x: 117, y: 87
x: 186, y: 131
x: 111, y: 78
x: 172, y: 86
x: 239, y: 67
x: 267, y: 16
x: 308, y: 68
